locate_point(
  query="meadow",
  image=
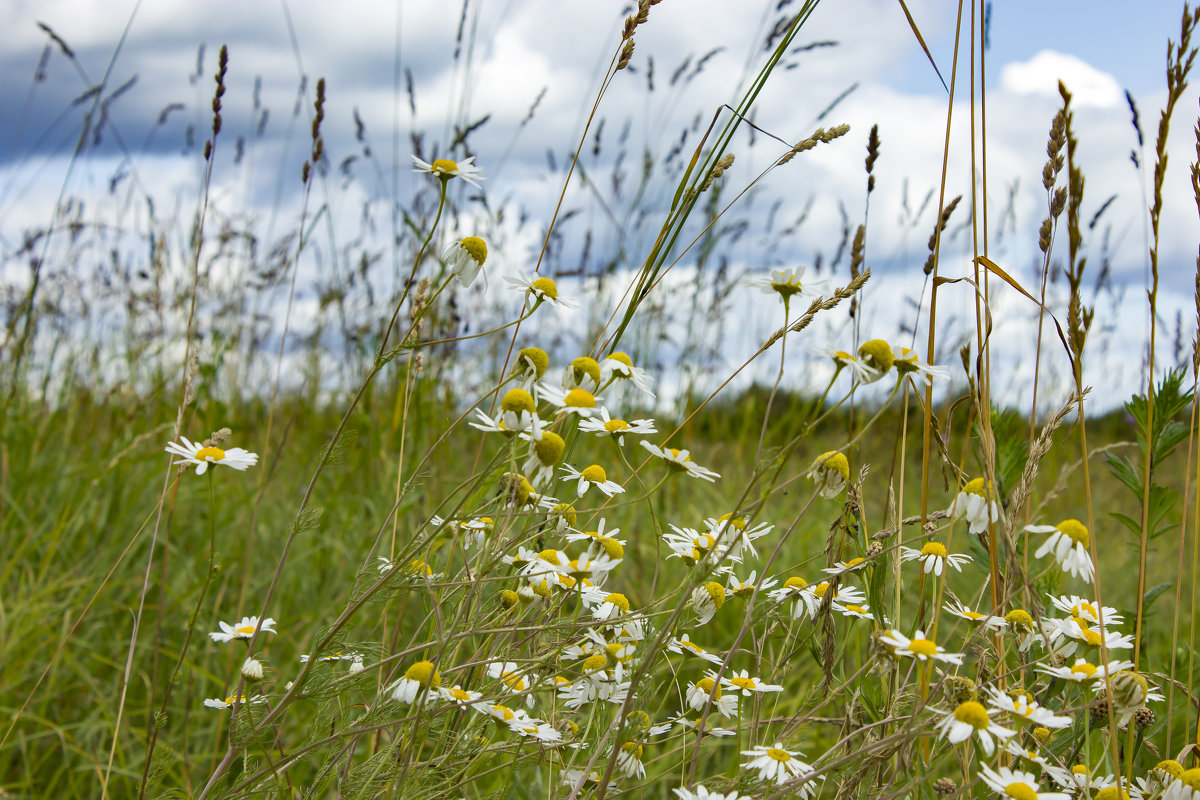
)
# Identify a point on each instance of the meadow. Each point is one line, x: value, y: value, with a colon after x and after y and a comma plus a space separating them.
x: 421, y: 537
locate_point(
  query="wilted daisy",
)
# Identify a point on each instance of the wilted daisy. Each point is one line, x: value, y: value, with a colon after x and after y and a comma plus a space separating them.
x: 1023, y: 706
x: 234, y: 698
x: 707, y: 598
x: 616, y: 428
x: 1014, y: 785
x: 971, y: 719
x: 934, y: 557
x: 420, y: 677
x: 581, y: 373
x: 465, y: 258
x: 629, y: 760
x: 518, y: 412
x: 874, y: 360
x: 590, y: 476
x: 243, y: 630
x: 540, y: 290
x: 444, y: 169
x: 189, y: 452
x: 1130, y: 691
x: 1186, y: 786
x: 919, y: 647
x: 1069, y: 543
x: 531, y: 364
x: 619, y: 366
x: 779, y: 766
x: 831, y: 471
x: 545, y: 451
x: 787, y: 283
x: 975, y: 503
x: 746, y: 684
x: 907, y: 362
x: 680, y: 461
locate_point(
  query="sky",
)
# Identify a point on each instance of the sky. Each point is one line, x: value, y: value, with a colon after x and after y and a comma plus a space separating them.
x: 513, y: 52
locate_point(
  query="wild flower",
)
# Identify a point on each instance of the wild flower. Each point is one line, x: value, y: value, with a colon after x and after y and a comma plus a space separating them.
x: 919, y: 647
x: 618, y: 429
x: 1014, y: 785
x: 619, y: 366
x: 232, y: 699
x: 444, y: 169
x: 975, y: 503
x: 831, y: 472
x: 680, y: 461
x: 586, y: 478
x: 707, y: 598
x: 779, y: 765
x: 420, y: 679
x: 579, y: 402
x: 243, y: 630
x: 685, y: 645
x: 1068, y: 542
x: 958, y: 609
x: 541, y: 290
x: 699, y: 693
x: 700, y: 793
x: 907, y: 362
x: 190, y: 452
x: 1084, y: 672
x: 746, y: 684
x: 934, y: 557
x: 787, y: 283
x: 465, y: 258
x: 1026, y: 709
x: 969, y: 719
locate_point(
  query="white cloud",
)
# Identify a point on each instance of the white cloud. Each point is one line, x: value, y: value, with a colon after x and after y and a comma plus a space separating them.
x: 1040, y: 76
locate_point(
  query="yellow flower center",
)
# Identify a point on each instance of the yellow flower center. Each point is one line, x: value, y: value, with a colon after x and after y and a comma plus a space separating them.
x: 973, y: 614
x: 593, y: 663
x: 616, y: 425
x: 594, y: 474
x: 566, y: 511
x: 878, y: 354
x: 1080, y: 769
x: 444, y: 167
x: 934, y: 549
x: 782, y: 756
x: 747, y: 684
x: 509, y: 598
x: 503, y: 712
x: 518, y: 401
x: 245, y: 630
x: 1112, y: 793
x: 210, y: 454
x: 795, y: 582
x: 476, y: 248
x: 972, y: 713
x: 1020, y: 791
x: 618, y: 600
x: 550, y: 448
x: 977, y: 487
x: 695, y: 648
x: 1074, y: 530
x: 717, y: 592
x: 585, y: 366
x: 423, y: 673
x: 1171, y: 767
x: 834, y: 462
x: 1079, y: 609
x: 1041, y: 734
x: 1085, y: 669
x: 1092, y: 638
x: 1019, y: 618
x: 621, y: 357
x: 856, y: 609
x: 707, y: 685
x: 535, y: 357
x: 821, y: 588
x: 923, y: 647
x: 461, y: 695
x: 546, y: 288
x: 633, y: 748
x: 612, y: 548
x: 854, y: 562
x: 1190, y: 778
x: 580, y: 398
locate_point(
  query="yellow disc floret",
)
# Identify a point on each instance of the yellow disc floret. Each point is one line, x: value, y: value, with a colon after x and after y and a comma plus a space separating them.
x: 210, y: 454
x: 934, y: 549
x: 550, y: 448
x: 585, y: 366
x: 535, y: 357
x: 877, y: 354
x: 545, y: 288
x: 518, y: 401
x: 594, y: 474
x: 972, y: 713
x: 424, y: 673
x: 476, y: 248
x: 580, y: 398
x: 1074, y: 530
x: 834, y: 462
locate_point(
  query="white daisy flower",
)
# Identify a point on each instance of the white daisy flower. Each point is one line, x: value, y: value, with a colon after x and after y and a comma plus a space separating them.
x: 1089, y: 610
x: 190, y: 452
x: 1027, y: 709
x: 693, y: 547
x: 445, y: 169
x: 243, y: 630
x: 919, y: 647
x: 421, y: 677
x: 540, y: 290
x: 698, y: 694
x: 532, y: 728
x: 629, y: 760
x: 971, y: 719
x: 700, y: 793
x: 707, y: 598
x: 684, y: 645
x: 460, y: 696
x: 934, y: 557
x: 975, y: 504
x: 842, y: 567
x: 855, y: 610
x: 620, y: 366
x: 738, y: 588
x: 1010, y: 784
x: 234, y: 698
x: 1069, y: 543
x: 908, y: 363
x: 1084, y: 672
x: 465, y: 258
x: 1079, y: 779
x: 742, y: 682
x: 831, y: 472
x: 680, y: 461
x: 576, y: 401
x: 787, y: 283
x: 779, y: 766
x: 616, y: 428
x: 956, y: 608
x: 590, y: 476
x: 736, y: 534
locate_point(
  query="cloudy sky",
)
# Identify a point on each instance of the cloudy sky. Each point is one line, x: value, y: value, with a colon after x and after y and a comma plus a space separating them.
x: 496, y: 58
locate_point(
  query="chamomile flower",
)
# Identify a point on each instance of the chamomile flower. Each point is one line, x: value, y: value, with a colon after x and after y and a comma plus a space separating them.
x: 680, y: 461
x: 971, y: 719
x: 1184, y: 786
x: 243, y: 630
x: 459, y: 696
x: 934, y: 557
x: 465, y: 258
x: 975, y: 503
x: 787, y: 283
x: 779, y: 765
x: 629, y: 760
x: 842, y: 567
x: 957, y: 608
x: 510, y: 675
x: 1069, y: 543
x: 873, y: 361
x: 707, y: 598
x: 234, y: 698
x: 919, y: 647
x: 1089, y: 610
x: 907, y: 362
x: 444, y: 169
x: 531, y: 364
x: 744, y: 683
x: 1015, y: 785
x: 580, y: 402
x: 619, y: 366
x: 700, y: 793
x: 831, y: 472
x: 1130, y: 691
x: 744, y: 589
x: 1079, y: 779
x: 420, y: 678
x: 736, y: 534
x: 616, y: 428
x: 855, y: 610
x: 1084, y: 672
x: 582, y: 373
x: 685, y: 645
x: 545, y: 451
x: 1027, y: 709
x: 540, y: 290
x: 189, y: 452
x: 590, y: 476
x: 699, y: 693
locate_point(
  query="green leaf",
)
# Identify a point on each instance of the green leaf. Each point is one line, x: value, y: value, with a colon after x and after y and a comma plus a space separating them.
x: 1134, y: 526
x: 1153, y: 594
x: 1123, y: 470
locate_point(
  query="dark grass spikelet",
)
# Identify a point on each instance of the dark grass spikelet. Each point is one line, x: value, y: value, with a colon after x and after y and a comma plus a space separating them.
x: 222, y: 69
x: 318, y: 144
x: 938, y: 229
x: 1079, y: 316
x: 872, y: 157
